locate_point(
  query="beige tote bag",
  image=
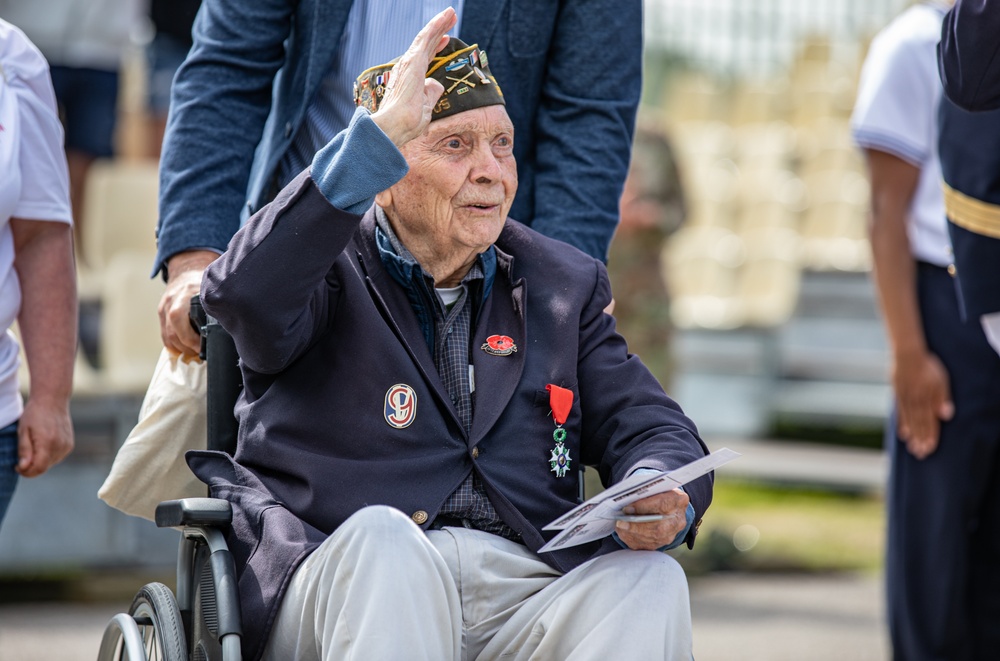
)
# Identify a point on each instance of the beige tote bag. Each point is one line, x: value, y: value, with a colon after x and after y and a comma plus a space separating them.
x: 150, y: 467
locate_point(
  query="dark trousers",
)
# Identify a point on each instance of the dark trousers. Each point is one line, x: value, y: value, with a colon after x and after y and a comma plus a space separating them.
x: 943, y: 545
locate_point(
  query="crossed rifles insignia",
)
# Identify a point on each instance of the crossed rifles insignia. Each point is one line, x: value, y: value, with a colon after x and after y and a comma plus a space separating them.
x: 483, y: 79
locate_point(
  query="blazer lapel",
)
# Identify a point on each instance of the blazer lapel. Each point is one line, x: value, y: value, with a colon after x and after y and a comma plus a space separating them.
x: 394, y: 306
x: 497, y: 374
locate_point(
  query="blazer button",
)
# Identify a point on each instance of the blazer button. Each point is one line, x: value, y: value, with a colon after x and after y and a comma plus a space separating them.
x: 419, y: 517
x: 952, y: 270
x: 475, y: 452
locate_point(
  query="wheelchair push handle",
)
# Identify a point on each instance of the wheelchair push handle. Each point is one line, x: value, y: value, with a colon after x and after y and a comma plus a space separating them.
x: 224, y: 378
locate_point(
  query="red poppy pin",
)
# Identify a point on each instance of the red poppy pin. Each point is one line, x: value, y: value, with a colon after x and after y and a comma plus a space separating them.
x: 499, y: 345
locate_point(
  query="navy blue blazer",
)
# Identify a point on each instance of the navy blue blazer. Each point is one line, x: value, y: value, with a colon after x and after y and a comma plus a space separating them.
x: 325, y: 335
x: 571, y: 72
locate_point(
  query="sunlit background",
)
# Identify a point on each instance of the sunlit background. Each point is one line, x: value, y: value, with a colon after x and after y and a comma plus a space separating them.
x: 745, y: 287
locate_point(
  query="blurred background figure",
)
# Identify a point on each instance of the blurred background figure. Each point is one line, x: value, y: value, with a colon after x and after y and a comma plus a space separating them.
x: 652, y: 208
x: 37, y: 278
x: 943, y: 440
x: 84, y: 42
x: 171, y: 22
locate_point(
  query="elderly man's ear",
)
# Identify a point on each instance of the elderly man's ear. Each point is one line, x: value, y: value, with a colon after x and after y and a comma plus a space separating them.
x: 384, y: 199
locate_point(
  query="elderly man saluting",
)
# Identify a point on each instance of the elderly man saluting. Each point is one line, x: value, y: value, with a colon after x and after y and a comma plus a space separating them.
x: 423, y: 376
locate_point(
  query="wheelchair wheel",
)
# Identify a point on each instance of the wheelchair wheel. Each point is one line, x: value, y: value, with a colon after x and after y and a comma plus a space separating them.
x: 121, y: 640
x: 155, y: 611
x: 205, y: 643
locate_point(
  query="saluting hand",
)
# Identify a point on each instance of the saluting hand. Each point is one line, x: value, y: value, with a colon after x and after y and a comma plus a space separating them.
x: 410, y: 96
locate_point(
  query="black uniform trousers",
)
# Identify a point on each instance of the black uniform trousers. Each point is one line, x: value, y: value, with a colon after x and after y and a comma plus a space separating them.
x: 943, y: 545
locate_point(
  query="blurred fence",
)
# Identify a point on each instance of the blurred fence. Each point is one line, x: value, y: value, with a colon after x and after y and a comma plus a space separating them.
x: 760, y: 37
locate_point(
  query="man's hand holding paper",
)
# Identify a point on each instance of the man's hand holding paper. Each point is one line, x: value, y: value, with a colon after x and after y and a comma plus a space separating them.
x: 642, y: 493
x: 652, y: 535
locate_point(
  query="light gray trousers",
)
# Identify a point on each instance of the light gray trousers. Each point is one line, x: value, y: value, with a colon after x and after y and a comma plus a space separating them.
x: 380, y: 589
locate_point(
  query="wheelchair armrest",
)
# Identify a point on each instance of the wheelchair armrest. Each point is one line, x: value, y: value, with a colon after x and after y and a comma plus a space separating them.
x: 194, y: 512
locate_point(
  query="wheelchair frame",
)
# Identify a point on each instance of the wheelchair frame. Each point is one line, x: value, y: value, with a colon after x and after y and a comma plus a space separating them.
x: 203, y: 621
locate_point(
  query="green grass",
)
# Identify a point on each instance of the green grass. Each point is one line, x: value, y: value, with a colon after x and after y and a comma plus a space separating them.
x: 755, y: 527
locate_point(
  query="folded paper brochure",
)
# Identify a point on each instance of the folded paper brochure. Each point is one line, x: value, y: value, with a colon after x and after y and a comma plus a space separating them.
x: 595, y: 518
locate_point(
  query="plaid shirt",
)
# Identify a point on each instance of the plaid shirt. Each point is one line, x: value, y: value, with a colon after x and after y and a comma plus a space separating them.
x: 449, y: 332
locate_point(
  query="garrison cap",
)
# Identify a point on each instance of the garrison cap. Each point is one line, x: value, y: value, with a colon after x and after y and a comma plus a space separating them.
x: 463, y: 70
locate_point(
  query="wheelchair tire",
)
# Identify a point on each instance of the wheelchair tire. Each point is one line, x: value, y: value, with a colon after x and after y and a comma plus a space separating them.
x: 155, y: 611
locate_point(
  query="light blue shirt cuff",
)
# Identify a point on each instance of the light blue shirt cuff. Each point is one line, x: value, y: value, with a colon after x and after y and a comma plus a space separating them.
x: 688, y: 517
x: 357, y: 164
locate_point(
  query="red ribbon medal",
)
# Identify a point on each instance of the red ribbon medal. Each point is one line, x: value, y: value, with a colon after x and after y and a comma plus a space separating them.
x: 561, y: 401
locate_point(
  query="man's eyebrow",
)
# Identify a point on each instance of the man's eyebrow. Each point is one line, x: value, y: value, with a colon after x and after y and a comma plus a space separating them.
x: 472, y: 127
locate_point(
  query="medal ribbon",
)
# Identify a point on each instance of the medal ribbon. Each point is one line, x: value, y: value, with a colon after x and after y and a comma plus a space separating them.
x: 561, y: 401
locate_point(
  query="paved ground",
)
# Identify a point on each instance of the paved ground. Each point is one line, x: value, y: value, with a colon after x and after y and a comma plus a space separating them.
x: 736, y: 616
x: 763, y: 617
x: 752, y: 617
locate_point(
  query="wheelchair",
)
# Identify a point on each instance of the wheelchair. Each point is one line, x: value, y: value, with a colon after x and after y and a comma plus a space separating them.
x: 202, y: 622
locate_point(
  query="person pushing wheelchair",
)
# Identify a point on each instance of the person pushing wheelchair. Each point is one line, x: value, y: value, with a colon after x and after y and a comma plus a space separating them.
x: 422, y: 378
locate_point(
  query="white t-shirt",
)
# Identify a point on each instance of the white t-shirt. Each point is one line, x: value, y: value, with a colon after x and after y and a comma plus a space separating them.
x: 896, y: 112
x: 34, y: 181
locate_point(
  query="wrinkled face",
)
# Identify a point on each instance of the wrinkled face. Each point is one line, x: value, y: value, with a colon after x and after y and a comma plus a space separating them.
x: 453, y: 202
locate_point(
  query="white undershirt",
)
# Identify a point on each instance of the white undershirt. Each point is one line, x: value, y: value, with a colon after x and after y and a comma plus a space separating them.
x: 449, y: 294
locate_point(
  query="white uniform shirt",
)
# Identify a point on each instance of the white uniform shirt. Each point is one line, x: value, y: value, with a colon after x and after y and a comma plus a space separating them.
x: 896, y: 112
x: 34, y: 181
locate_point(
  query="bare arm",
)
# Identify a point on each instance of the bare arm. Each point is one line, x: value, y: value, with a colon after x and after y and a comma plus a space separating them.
x: 920, y: 381
x: 44, y: 263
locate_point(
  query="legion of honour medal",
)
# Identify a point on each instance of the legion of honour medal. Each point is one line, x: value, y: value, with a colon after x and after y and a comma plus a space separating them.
x: 561, y: 401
